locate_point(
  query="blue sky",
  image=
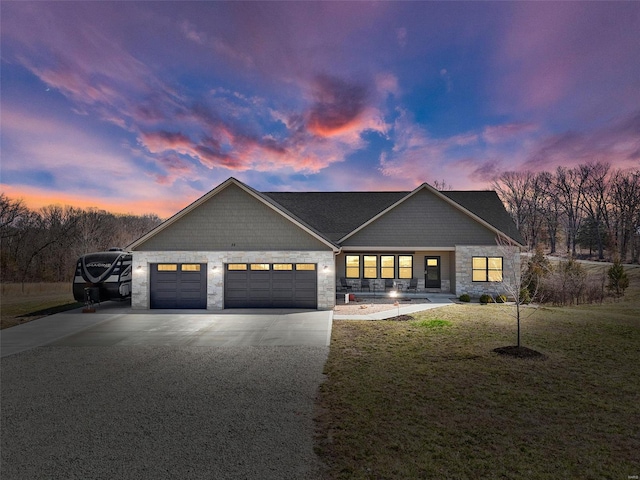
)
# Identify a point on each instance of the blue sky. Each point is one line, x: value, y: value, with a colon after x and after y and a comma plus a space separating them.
x: 144, y: 106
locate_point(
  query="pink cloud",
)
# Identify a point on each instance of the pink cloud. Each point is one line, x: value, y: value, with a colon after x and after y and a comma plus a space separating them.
x: 562, y: 55
x: 618, y: 144
x: 506, y: 132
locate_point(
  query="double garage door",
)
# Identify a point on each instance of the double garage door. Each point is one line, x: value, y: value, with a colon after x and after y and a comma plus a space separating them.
x: 271, y: 285
x: 246, y: 285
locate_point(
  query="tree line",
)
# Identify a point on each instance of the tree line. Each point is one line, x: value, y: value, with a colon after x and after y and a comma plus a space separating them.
x: 591, y: 206
x: 43, y: 245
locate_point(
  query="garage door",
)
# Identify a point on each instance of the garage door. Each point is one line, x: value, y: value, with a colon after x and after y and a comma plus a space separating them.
x: 271, y: 285
x: 178, y: 285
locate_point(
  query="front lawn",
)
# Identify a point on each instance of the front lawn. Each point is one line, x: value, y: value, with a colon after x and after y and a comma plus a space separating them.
x: 429, y: 399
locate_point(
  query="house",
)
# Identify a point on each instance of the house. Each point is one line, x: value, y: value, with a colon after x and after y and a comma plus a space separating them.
x: 236, y: 247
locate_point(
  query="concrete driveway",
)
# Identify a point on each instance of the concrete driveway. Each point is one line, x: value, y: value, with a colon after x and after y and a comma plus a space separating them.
x: 162, y: 395
x: 117, y: 324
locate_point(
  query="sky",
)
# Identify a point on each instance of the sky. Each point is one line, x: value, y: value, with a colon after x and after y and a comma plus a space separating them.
x: 142, y: 107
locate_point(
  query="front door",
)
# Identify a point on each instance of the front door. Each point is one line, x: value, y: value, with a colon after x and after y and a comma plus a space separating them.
x: 432, y: 272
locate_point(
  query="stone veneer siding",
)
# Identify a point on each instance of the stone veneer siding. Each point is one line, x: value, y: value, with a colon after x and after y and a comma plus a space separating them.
x: 215, y: 272
x: 510, y: 266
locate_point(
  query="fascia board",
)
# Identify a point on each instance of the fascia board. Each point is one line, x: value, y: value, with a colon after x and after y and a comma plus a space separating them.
x: 454, y: 204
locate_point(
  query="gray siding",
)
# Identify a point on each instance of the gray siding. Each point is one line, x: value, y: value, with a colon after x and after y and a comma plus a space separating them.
x: 232, y: 220
x: 423, y: 220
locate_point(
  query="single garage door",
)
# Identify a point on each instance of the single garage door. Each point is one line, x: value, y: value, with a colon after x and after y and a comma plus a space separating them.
x: 271, y: 285
x: 178, y: 285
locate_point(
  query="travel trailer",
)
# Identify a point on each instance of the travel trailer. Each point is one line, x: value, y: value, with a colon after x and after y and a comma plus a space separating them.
x: 106, y: 275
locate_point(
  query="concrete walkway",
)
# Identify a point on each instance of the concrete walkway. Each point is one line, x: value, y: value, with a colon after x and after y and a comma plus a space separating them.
x: 433, y: 300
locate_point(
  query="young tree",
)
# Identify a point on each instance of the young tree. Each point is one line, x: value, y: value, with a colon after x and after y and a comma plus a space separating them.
x: 618, y: 280
x: 523, y: 288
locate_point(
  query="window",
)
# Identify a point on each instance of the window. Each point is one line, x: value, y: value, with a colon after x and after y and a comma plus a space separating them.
x: 237, y: 266
x: 260, y: 266
x: 387, y: 266
x: 487, y: 269
x: 167, y: 267
x: 185, y: 267
x: 405, y: 266
x: 282, y: 266
x: 305, y: 266
x: 352, y: 266
x: 370, y: 266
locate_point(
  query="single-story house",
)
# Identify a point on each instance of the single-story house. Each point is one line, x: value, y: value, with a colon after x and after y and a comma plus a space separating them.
x: 236, y: 247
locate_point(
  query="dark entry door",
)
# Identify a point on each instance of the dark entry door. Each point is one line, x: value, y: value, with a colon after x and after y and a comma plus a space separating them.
x: 432, y: 272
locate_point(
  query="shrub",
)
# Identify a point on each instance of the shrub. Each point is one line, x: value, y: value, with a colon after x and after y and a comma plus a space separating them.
x: 566, y: 284
x: 537, y: 268
x: 525, y: 296
x: 618, y: 280
x: 465, y: 297
x: 501, y: 299
x: 484, y: 298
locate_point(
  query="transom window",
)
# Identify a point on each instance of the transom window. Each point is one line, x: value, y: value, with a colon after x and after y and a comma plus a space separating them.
x: 305, y: 266
x: 260, y: 266
x: 486, y: 269
x: 237, y: 266
x: 370, y: 263
x: 387, y: 266
x: 190, y: 267
x: 352, y: 266
x: 167, y: 267
x: 282, y: 266
x: 269, y: 266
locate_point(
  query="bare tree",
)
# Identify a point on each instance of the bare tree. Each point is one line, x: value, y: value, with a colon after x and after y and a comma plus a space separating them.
x: 10, y: 212
x: 595, y: 200
x: 625, y: 202
x: 550, y: 207
x: 570, y: 185
x: 514, y: 190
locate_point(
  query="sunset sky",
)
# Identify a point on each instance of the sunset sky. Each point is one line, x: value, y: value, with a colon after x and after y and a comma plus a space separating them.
x: 145, y: 106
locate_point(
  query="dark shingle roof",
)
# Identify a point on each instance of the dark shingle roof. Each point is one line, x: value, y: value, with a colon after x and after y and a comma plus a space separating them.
x: 487, y: 205
x: 335, y: 214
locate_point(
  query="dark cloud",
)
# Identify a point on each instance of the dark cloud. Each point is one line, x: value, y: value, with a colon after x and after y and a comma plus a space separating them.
x: 338, y: 104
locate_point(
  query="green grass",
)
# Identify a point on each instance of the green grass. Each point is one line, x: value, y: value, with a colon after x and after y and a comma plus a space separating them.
x: 429, y: 399
x: 36, y: 300
x: 433, y: 323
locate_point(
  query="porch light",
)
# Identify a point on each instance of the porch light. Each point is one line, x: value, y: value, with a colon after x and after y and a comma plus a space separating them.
x: 325, y: 268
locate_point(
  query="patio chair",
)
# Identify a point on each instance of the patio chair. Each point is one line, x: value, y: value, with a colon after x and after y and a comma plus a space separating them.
x: 364, y: 283
x: 344, y: 285
x: 413, y: 285
x: 389, y: 284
